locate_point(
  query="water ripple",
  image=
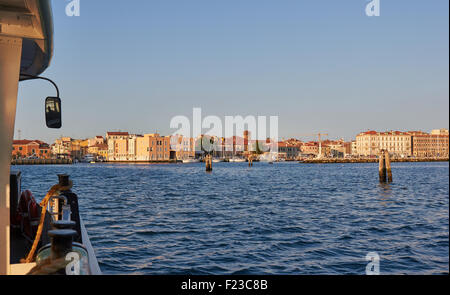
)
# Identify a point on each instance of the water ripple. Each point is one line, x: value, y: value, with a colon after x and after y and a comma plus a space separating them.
x: 286, y: 218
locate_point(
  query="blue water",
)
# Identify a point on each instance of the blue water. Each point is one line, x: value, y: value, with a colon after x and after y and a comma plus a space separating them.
x: 286, y: 218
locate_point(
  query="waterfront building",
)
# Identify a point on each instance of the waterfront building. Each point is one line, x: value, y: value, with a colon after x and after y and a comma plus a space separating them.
x: 397, y: 143
x: 333, y: 148
x: 62, y: 148
x: 79, y: 148
x: 30, y: 148
x: 442, y: 131
x: 310, y: 148
x: 431, y: 145
x: 125, y: 147
x: 404, y: 144
x: 99, y: 150
x: 353, y: 148
x: 183, y: 147
x: 117, y: 146
x: 347, y: 148
x: 96, y: 140
x: 288, y: 150
x: 120, y: 149
x: 152, y: 148
x: 132, y: 147
x: 102, y: 152
x: 69, y: 148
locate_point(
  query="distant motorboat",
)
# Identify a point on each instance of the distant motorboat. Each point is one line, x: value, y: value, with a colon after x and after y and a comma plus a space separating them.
x: 237, y: 160
x: 187, y: 161
x: 88, y: 159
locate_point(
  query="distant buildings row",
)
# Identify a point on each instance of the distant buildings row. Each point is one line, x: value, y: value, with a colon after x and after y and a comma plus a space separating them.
x: 122, y: 147
x: 405, y: 144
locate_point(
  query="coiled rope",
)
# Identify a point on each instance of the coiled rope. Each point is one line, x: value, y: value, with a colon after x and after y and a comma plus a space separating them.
x: 53, y: 192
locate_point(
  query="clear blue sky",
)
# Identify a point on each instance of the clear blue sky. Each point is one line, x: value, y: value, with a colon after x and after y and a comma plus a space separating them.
x: 319, y: 65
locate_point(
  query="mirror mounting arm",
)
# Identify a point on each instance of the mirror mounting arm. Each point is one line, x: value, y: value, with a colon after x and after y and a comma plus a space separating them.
x: 31, y: 77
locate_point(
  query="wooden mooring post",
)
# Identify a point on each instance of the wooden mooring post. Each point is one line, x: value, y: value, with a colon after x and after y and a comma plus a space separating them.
x: 208, y: 163
x: 382, y: 167
x: 387, y: 160
x: 250, y: 161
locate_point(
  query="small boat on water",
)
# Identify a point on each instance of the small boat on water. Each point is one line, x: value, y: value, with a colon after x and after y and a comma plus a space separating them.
x: 191, y: 160
x: 237, y: 160
x: 218, y: 160
x: 88, y: 159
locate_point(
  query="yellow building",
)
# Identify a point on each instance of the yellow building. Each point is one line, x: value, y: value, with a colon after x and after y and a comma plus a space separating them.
x: 152, y: 147
x: 404, y: 144
x: 117, y: 146
x: 99, y: 150
x: 397, y: 143
x: 126, y: 147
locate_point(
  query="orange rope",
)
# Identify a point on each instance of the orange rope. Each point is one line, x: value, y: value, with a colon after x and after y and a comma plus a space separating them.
x: 54, y: 191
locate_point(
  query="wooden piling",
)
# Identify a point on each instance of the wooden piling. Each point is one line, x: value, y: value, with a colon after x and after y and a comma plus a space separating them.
x: 208, y: 163
x: 382, y: 167
x: 387, y: 160
x: 250, y: 161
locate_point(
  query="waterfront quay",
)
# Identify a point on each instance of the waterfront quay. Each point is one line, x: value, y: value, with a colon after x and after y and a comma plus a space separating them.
x: 372, y: 160
x: 41, y: 162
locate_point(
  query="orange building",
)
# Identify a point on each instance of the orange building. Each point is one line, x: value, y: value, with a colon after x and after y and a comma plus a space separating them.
x: 289, y: 150
x: 152, y: 147
x: 30, y: 148
x: 310, y: 148
x: 430, y: 145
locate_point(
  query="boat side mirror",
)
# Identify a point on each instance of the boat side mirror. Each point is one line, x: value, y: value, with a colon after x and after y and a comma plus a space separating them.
x: 53, y: 112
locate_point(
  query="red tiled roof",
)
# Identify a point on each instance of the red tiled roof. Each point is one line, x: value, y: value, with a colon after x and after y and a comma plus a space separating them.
x: 116, y: 133
x: 26, y: 142
x: 22, y: 142
x: 311, y: 143
x: 101, y: 146
x: 369, y: 132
